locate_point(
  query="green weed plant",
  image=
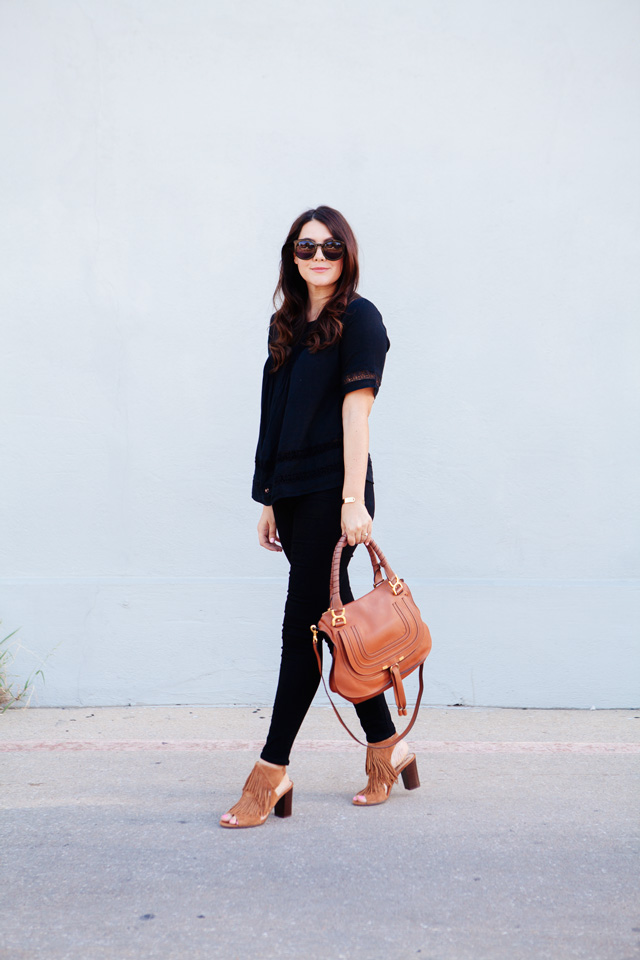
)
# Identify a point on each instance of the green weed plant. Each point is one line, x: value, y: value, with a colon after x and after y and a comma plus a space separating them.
x: 14, y: 693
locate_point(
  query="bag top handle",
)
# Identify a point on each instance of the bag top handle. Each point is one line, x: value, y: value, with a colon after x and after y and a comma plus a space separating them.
x: 377, y: 558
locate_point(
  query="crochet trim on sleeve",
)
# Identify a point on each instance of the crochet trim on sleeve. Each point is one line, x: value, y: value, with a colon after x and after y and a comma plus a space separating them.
x: 362, y: 375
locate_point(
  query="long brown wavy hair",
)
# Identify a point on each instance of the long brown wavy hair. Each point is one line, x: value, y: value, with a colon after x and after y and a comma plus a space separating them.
x: 291, y: 295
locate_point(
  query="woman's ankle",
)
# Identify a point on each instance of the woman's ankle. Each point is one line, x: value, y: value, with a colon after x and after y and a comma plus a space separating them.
x: 274, y: 766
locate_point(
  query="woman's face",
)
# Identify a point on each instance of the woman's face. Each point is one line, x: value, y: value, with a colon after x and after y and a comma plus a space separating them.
x: 318, y: 272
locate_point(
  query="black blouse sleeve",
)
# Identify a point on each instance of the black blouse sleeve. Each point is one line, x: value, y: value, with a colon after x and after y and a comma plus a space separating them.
x: 363, y: 348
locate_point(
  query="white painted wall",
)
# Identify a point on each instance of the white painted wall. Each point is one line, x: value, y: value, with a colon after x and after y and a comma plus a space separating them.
x: 486, y: 153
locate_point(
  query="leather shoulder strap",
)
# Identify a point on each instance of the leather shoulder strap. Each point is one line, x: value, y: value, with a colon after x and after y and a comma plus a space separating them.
x: 399, y: 736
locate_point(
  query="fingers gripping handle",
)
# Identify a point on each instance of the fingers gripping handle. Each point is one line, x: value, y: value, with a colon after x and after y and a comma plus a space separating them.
x: 377, y: 558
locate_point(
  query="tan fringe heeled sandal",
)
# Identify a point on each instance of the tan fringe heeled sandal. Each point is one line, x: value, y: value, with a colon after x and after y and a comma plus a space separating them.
x: 382, y: 774
x: 261, y: 795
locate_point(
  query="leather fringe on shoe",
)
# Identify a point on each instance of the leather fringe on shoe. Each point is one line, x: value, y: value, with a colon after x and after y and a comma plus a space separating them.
x: 383, y: 775
x: 379, y: 771
x: 259, y: 797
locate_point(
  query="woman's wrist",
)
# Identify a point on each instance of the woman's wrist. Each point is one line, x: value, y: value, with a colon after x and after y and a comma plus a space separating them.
x: 352, y: 500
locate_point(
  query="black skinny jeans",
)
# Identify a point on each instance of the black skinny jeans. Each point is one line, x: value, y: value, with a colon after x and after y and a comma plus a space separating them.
x: 309, y: 528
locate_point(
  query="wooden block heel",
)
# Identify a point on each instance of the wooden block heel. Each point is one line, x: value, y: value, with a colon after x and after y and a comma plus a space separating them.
x: 283, y: 807
x: 410, y: 777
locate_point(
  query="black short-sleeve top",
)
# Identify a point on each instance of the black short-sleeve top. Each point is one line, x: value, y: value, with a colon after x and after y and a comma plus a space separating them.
x: 300, y: 441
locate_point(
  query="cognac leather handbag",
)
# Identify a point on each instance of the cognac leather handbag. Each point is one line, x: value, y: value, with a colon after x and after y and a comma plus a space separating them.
x: 375, y: 641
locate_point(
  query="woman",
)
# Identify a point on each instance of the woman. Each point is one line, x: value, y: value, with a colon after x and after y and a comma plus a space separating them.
x: 313, y: 475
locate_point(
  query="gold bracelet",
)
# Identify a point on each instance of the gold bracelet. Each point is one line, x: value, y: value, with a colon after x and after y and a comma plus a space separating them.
x: 351, y: 500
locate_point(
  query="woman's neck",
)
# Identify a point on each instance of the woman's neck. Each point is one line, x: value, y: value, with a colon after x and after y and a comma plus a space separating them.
x: 318, y: 297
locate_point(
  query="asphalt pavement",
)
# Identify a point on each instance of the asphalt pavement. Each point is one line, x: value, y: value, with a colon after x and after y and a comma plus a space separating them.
x: 521, y: 844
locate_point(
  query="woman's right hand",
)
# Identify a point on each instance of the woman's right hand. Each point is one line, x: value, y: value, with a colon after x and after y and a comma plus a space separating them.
x: 267, y: 533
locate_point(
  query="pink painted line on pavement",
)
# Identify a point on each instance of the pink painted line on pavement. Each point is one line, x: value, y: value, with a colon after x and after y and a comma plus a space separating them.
x: 423, y: 746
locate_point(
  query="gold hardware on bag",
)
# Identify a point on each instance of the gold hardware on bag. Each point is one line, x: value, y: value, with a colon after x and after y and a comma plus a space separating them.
x: 388, y: 666
x: 338, y: 619
x: 396, y: 586
x: 314, y: 631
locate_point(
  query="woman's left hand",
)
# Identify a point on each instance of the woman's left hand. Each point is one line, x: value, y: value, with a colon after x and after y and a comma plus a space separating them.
x: 356, y: 523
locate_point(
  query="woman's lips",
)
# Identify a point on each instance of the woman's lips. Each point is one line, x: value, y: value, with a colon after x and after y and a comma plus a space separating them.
x: 319, y: 269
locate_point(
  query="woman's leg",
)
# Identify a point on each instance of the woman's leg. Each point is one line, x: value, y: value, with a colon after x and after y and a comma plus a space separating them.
x: 309, y: 527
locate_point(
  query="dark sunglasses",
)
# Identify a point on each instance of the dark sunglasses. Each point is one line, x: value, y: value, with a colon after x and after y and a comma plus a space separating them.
x: 306, y: 249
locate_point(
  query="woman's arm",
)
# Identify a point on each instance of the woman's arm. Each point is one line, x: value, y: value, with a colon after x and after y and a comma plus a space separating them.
x: 356, y: 407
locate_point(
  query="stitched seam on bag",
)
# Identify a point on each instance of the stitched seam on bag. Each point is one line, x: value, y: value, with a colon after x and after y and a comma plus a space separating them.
x: 361, y: 658
x: 362, y: 661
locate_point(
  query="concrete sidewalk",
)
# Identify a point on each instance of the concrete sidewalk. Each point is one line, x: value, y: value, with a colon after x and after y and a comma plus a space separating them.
x: 521, y: 843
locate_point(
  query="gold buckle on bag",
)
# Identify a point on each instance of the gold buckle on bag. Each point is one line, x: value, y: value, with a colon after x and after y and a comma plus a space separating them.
x: 396, y: 586
x: 338, y: 619
x: 388, y: 666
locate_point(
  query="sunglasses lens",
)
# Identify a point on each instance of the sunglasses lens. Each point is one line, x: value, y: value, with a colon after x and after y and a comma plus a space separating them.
x: 305, y: 249
x: 333, y: 249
